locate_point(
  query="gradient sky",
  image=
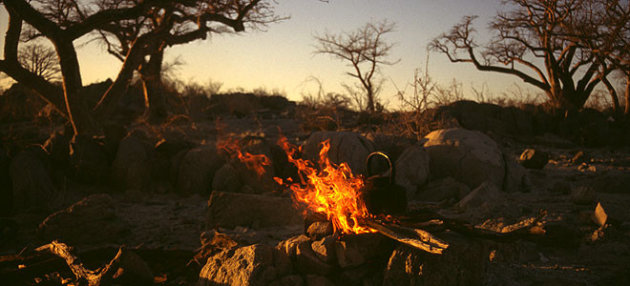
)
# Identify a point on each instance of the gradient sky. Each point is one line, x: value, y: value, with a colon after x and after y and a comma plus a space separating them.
x: 282, y: 58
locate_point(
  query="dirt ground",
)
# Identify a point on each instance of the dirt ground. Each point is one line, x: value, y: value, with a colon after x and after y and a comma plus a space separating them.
x: 576, y: 250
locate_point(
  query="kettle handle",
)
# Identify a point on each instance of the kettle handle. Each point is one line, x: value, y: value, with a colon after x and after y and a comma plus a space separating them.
x: 392, y: 170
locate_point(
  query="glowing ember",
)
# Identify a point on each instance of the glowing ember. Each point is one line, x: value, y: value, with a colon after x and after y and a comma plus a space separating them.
x: 333, y: 190
x: 257, y: 163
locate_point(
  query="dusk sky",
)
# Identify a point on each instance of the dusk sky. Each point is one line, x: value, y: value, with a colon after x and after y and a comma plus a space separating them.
x: 282, y: 58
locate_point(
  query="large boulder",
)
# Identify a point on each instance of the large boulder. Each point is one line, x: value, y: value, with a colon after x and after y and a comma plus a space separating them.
x: 463, y: 263
x: 30, y: 176
x: 251, y: 210
x: 412, y: 169
x: 534, y: 159
x: 89, y: 160
x: 91, y: 220
x: 348, y: 147
x: 471, y: 157
x: 197, y: 168
x: 445, y: 189
x: 251, y: 181
x: 131, y: 169
x: 256, y: 264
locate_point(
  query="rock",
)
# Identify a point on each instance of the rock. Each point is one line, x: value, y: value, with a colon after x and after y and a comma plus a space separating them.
x: 484, y: 197
x: 92, y: 220
x: 412, y: 169
x: 586, y: 168
x: 319, y: 229
x: 132, y: 165
x: 250, y: 180
x: 251, y: 210
x: 307, y: 262
x: 168, y: 155
x: 560, y: 187
x: 469, y: 156
x: 226, y: 179
x: 443, y: 189
x: 404, y: 267
x: 32, y: 185
x: 250, y: 265
x: 289, y: 246
x: 197, y: 169
x: 325, y: 249
x: 516, y: 177
x: 354, y: 250
x: 89, y: 161
x: 58, y: 148
x: 599, y: 215
x: 534, y: 159
x: 291, y: 280
x: 583, y: 195
x: 579, y: 158
x: 316, y: 280
x: 612, y: 182
x: 132, y: 270
x: 463, y: 263
x: 393, y: 145
x: 348, y: 147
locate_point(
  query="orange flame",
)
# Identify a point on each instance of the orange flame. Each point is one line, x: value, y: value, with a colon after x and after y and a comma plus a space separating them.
x: 255, y: 163
x: 333, y: 190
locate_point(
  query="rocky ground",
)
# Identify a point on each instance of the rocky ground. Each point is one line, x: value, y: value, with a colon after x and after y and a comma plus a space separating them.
x: 561, y: 221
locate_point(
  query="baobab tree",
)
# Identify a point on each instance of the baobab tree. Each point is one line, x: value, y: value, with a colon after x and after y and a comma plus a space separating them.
x: 533, y: 42
x: 365, y: 50
x: 119, y: 39
x: 64, y: 21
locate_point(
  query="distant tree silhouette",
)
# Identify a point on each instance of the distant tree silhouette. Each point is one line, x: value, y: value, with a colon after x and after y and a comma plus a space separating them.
x: 64, y: 21
x: 536, y: 41
x: 40, y: 60
x: 365, y: 50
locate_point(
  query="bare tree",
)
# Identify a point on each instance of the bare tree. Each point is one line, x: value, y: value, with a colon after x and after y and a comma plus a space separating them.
x: 64, y: 21
x: 40, y: 60
x: 119, y: 38
x: 531, y: 33
x: 365, y: 50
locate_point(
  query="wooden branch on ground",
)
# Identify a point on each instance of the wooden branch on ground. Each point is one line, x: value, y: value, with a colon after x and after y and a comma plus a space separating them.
x: 93, y: 278
x: 413, y: 237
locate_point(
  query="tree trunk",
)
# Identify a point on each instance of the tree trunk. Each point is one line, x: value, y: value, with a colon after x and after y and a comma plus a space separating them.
x: 613, y: 96
x: 76, y: 108
x: 154, y: 97
x: 370, y: 100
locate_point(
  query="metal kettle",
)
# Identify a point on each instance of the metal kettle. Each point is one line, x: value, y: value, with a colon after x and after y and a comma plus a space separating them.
x: 380, y: 193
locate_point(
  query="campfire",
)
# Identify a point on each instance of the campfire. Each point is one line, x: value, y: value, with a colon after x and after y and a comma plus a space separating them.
x: 336, y: 192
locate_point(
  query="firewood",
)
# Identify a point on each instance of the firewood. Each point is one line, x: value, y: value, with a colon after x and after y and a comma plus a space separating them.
x: 413, y: 237
x: 92, y: 277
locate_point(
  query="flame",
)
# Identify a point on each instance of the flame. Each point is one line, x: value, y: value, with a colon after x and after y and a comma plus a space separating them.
x: 256, y: 163
x: 333, y: 190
